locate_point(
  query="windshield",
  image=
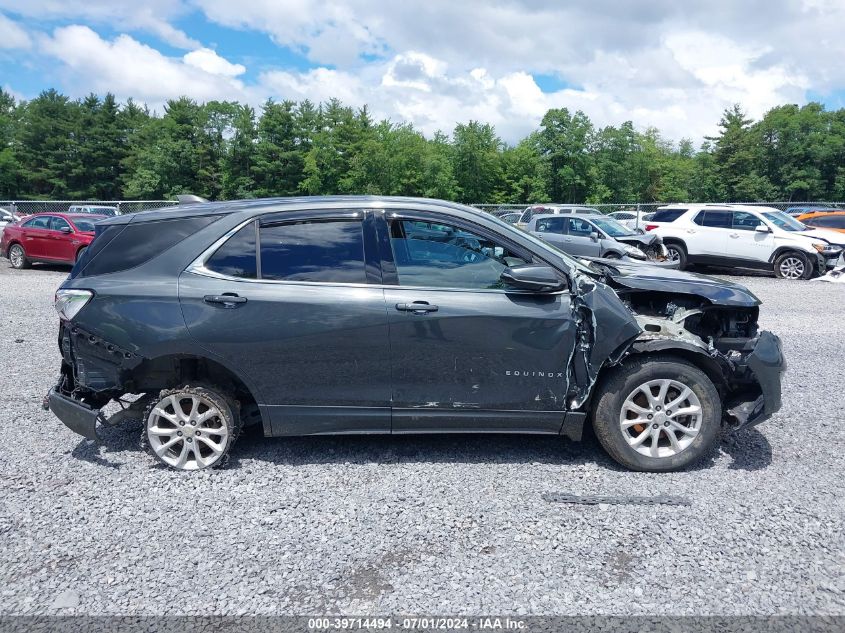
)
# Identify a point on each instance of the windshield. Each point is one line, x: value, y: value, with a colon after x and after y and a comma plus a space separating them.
x: 783, y: 221
x: 612, y: 227
x: 86, y: 226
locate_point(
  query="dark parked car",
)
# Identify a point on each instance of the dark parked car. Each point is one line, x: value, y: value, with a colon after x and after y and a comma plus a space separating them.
x: 53, y: 238
x: 354, y: 315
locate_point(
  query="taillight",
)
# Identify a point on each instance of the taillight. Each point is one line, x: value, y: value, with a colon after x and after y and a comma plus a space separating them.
x: 649, y: 227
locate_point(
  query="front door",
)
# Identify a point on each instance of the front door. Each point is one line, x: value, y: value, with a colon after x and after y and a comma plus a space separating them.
x: 578, y: 238
x: 745, y: 242
x: 304, y: 318
x: 467, y: 354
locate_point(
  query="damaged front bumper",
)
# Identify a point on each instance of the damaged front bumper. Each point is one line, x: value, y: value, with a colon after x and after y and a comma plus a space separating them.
x: 75, y: 415
x: 766, y: 364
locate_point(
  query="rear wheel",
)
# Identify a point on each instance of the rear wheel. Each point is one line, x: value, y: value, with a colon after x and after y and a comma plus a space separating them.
x: 793, y: 265
x: 677, y: 253
x: 657, y: 414
x: 191, y: 428
x: 17, y: 257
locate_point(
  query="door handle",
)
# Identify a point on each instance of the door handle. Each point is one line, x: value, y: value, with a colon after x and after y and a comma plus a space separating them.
x: 227, y: 300
x: 734, y: 235
x: 417, y: 307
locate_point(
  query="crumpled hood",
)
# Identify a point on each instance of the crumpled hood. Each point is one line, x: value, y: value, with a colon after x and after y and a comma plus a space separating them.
x: 832, y: 237
x: 657, y: 279
x: 648, y: 239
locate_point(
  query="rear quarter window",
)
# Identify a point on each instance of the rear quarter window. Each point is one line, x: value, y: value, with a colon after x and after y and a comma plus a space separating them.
x: 123, y: 246
x: 667, y: 215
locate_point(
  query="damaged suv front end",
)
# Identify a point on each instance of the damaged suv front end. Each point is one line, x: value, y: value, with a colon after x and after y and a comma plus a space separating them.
x: 712, y: 322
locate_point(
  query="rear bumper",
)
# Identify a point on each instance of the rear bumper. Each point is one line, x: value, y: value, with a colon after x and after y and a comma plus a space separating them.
x: 78, y: 417
x: 767, y: 363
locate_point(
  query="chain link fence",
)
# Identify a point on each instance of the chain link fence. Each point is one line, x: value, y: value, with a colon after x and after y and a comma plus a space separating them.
x: 27, y: 207
x: 647, y: 207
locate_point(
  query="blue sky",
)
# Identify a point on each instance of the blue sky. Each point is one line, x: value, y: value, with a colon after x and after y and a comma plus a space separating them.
x: 672, y: 65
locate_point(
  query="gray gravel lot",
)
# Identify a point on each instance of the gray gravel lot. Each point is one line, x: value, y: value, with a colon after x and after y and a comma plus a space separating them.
x: 453, y: 524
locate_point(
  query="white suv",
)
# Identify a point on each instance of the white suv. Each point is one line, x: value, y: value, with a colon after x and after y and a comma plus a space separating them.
x: 742, y: 236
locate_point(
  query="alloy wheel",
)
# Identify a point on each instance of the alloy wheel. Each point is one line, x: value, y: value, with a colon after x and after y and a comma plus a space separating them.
x: 672, y: 254
x: 792, y: 268
x: 187, y: 431
x: 16, y: 256
x: 661, y: 418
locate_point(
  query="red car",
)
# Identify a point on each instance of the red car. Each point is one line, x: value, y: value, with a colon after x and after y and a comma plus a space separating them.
x: 55, y: 238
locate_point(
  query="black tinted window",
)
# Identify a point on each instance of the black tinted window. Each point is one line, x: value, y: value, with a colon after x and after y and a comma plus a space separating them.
x: 41, y: 222
x: 136, y: 244
x: 313, y: 251
x: 86, y: 226
x: 715, y: 219
x: 550, y: 225
x: 744, y: 221
x: 451, y: 258
x: 236, y: 258
x: 667, y: 215
x: 57, y: 223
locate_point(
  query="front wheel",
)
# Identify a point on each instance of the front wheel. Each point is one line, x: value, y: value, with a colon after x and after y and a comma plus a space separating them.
x: 793, y: 265
x: 657, y: 414
x: 80, y: 253
x: 191, y: 428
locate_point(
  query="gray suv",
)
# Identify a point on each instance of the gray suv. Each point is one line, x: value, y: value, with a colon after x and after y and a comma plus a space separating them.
x: 397, y: 315
x: 596, y: 236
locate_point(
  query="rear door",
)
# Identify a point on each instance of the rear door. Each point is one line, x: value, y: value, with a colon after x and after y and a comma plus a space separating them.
x: 36, y: 237
x: 709, y: 237
x: 302, y: 315
x: 552, y: 230
x: 467, y: 354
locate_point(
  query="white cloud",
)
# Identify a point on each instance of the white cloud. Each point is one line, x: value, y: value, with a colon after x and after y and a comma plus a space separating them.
x: 152, y: 16
x: 12, y: 35
x: 128, y: 68
x: 209, y: 61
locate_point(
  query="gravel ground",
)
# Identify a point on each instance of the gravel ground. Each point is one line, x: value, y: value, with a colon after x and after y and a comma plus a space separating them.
x: 452, y: 524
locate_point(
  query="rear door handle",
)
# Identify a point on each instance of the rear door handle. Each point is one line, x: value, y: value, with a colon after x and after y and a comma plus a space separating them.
x: 417, y: 307
x: 227, y: 300
x: 734, y: 235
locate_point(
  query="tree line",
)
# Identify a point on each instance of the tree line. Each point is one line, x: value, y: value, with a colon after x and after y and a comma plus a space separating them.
x: 54, y: 147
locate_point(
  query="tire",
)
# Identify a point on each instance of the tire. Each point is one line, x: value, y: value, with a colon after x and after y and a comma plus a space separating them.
x: 80, y: 253
x: 612, y: 256
x: 18, y: 258
x: 792, y: 265
x: 677, y: 252
x: 634, y: 445
x: 191, y: 440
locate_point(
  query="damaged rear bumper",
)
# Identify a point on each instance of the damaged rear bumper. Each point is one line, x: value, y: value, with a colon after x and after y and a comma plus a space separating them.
x: 75, y: 415
x: 767, y: 364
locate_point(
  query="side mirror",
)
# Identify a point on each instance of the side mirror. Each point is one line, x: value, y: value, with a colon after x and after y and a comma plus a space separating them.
x: 594, y: 236
x: 762, y: 228
x: 533, y: 277
x: 66, y: 229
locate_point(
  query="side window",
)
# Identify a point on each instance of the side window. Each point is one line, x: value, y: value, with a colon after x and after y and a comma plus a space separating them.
x: 237, y: 256
x: 57, y: 224
x: 41, y: 222
x: 550, y: 225
x: 579, y: 227
x: 715, y: 219
x: 670, y: 215
x: 744, y: 221
x: 331, y: 251
x: 463, y: 260
x: 829, y: 222
x: 526, y: 216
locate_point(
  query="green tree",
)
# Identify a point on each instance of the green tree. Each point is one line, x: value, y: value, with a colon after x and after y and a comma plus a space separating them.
x: 475, y: 160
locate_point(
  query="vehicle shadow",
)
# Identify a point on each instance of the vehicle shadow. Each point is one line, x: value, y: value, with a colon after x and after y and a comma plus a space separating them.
x: 749, y: 449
